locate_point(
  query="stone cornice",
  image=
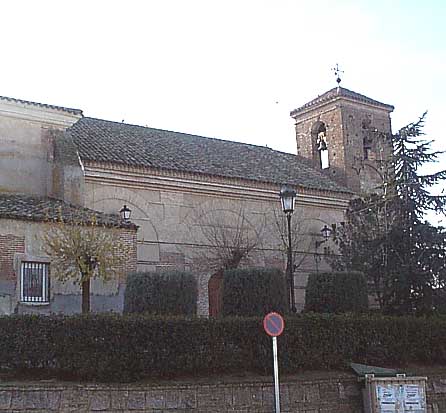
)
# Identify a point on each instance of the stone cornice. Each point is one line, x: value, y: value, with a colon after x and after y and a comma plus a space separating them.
x: 305, y: 113
x: 143, y: 178
x: 43, y: 114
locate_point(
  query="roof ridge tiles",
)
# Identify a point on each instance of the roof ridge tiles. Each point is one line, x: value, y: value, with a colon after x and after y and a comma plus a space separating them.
x: 185, y: 134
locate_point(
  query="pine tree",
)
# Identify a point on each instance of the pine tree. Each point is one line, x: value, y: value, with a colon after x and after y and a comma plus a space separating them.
x: 410, y: 154
x: 386, y: 236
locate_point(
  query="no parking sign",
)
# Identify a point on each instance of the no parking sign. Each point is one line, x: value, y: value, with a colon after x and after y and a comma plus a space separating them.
x: 274, y: 324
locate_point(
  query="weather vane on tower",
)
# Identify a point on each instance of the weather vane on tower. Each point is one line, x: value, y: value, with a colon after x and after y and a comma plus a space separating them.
x: 337, y: 73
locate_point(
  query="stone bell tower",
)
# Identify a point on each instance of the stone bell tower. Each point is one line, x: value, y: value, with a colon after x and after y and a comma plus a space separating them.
x: 347, y: 136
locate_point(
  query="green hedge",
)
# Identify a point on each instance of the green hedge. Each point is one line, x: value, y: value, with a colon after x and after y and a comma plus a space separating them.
x: 336, y: 292
x: 165, y: 293
x: 125, y: 348
x: 253, y: 292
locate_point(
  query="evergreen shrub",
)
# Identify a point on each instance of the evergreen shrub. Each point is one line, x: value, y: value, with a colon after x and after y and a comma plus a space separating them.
x: 165, y: 293
x: 253, y: 292
x: 336, y: 292
x: 116, y: 348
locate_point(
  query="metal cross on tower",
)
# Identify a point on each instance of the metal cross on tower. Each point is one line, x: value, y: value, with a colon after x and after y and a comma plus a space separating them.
x: 337, y: 73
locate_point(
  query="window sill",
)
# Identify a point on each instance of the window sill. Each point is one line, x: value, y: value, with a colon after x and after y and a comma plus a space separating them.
x: 34, y: 303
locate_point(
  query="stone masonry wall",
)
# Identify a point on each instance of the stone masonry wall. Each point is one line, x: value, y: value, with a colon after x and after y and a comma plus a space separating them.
x: 332, y: 395
x: 171, y: 217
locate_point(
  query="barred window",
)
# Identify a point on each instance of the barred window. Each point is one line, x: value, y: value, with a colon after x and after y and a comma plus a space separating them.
x: 34, y: 282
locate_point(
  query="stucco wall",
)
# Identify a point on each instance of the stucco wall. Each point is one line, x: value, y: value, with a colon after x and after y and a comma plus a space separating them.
x: 26, y: 146
x: 22, y: 241
x: 172, y: 211
x: 25, y: 157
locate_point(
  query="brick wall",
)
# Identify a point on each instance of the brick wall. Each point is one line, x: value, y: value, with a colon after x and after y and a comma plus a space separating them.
x: 9, y: 246
x: 329, y: 395
x: 128, y: 238
x: 347, y: 124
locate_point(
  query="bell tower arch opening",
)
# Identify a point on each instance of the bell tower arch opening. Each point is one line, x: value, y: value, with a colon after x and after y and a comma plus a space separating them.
x: 320, y: 146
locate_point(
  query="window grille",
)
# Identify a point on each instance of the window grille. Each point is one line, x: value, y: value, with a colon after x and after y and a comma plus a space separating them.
x: 34, y: 282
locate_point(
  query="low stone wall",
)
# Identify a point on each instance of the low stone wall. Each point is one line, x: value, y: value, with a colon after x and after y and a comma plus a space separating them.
x: 332, y: 395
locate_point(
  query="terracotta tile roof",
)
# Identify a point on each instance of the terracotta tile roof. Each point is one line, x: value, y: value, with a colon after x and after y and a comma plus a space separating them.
x: 106, y: 141
x: 42, y: 105
x: 339, y: 92
x: 34, y: 208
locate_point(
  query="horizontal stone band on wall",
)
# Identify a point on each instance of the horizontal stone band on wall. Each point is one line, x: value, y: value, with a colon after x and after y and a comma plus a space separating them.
x: 334, y: 395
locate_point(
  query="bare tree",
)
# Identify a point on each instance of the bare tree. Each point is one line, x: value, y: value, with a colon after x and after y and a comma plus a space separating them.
x: 301, y: 249
x: 228, y: 237
x: 81, y: 251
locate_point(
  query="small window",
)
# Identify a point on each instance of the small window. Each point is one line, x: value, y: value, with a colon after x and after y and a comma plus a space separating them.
x: 34, y: 282
x: 367, y: 146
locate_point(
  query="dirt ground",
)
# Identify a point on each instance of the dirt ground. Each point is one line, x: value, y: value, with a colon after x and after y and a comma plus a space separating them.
x: 412, y: 370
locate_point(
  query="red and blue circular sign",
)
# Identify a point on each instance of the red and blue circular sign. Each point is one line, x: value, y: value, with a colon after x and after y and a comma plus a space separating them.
x: 273, y: 324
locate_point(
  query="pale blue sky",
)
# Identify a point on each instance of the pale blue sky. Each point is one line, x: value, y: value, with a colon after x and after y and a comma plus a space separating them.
x: 217, y: 68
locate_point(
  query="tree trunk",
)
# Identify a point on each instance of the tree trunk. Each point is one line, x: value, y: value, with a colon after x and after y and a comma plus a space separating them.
x: 85, y: 296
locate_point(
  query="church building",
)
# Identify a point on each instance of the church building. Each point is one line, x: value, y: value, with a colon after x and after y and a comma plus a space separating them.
x: 191, y: 197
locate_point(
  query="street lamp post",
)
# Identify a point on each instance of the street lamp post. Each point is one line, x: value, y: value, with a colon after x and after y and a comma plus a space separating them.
x: 288, y: 198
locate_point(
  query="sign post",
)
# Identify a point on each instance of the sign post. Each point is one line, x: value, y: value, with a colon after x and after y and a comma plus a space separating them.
x: 273, y: 324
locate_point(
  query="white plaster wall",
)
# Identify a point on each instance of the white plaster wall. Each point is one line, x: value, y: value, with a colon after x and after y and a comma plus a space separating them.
x: 26, y: 152
x: 24, y: 157
x: 6, y: 305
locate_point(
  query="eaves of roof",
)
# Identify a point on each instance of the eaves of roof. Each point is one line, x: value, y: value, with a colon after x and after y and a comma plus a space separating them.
x: 43, y: 209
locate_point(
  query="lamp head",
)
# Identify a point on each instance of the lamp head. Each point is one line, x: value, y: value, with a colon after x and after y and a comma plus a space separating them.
x: 125, y: 213
x: 326, y: 232
x: 287, y: 197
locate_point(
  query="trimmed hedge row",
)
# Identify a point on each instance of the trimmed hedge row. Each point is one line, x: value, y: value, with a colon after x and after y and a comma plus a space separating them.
x: 253, y: 292
x: 336, y: 292
x: 128, y: 348
x: 165, y: 293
